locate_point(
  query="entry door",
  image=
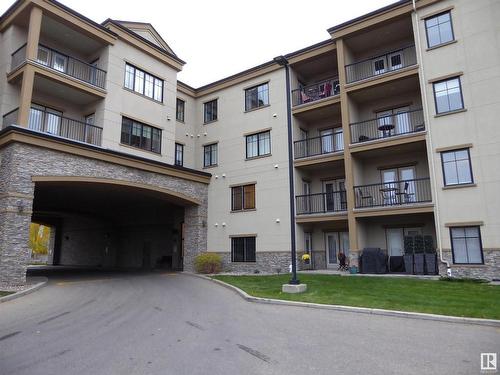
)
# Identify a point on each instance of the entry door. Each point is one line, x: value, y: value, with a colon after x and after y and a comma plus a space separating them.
x: 304, y: 149
x: 395, y: 60
x: 338, y: 139
x: 402, y: 120
x: 385, y: 123
x: 390, y: 186
x: 306, y: 200
x: 332, y: 248
x: 408, y: 186
x: 44, y: 119
x: 326, y: 141
x: 395, y: 244
x: 379, y: 66
x: 90, y: 131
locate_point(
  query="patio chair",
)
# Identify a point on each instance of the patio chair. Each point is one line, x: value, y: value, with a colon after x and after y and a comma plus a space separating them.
x: 362, y: 198
x: 404, y: 196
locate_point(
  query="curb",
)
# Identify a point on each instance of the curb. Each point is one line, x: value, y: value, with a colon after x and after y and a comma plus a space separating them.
x: 362, y: 310
x: 24, y: 292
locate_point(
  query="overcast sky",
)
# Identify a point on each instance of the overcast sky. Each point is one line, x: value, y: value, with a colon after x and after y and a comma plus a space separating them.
x: 221, y: 37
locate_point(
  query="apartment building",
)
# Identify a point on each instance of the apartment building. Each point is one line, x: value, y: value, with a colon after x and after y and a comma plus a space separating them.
x: 394, y: 139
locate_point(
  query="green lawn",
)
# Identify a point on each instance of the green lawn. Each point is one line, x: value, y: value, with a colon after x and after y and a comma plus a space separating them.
x: 468, y: 299
x: 3, y: 294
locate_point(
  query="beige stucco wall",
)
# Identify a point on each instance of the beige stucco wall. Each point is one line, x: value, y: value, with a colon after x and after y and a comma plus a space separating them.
x: 272, y: 201
x: 476, y: 54
x: 122, y: 102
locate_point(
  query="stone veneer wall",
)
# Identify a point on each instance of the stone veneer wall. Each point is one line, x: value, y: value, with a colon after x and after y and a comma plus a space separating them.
x: 267, y: 262
x: 489, y: 270
x: 20, y: 162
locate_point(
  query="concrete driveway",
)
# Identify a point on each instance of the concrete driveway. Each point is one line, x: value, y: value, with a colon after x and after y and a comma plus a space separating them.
x: 165, y: 323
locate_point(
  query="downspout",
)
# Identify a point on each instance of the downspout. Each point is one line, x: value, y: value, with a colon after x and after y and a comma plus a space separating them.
x: 281, y: 60
x: 429, y: 135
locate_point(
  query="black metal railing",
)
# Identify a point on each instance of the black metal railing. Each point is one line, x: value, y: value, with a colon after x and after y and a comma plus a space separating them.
x: 335, y: 201
x: 381, y: 64
x: 55, y: 124
x: 18, y: 57
x: 63, y: 63
x: 324, y: 144
x: 387, y: 126
x: 316, y: 91
x: 394, y: 193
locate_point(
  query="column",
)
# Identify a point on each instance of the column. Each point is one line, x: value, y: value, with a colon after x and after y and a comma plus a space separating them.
x: 195, y: 234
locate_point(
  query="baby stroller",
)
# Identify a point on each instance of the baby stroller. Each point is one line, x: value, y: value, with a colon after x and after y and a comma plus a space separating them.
x: 343, y: 263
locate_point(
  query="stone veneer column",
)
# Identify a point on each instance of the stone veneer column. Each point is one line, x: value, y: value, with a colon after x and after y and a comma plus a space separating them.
x: 195, y: 234
x: 15, y: 218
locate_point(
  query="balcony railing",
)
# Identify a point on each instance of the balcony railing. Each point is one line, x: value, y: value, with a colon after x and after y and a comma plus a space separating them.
x: 51, y: 123
x: 387, y: 126
x: 321, y: 203
x: 18, y: 57
x: 63, y: 63
x: 382, y: 64
x: 394, y: 193
x: 317, y: 91
x: 325, y: 144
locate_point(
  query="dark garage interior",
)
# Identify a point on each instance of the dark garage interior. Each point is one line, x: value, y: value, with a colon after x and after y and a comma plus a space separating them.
x: 110, y: 226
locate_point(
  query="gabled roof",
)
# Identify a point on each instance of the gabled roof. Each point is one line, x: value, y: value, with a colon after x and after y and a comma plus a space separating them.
x: 147, y: 31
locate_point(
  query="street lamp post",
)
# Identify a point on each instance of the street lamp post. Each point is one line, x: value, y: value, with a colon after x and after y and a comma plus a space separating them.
x: 281, y: 60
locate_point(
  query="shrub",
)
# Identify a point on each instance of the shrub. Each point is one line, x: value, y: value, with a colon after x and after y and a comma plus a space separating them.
x: 463, y: 279
x: 208, y: 263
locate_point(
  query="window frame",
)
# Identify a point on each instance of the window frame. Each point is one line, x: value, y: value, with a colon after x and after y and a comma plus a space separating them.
x: 142, y: 126
x: 478, y: 237
x: 212, y: 164
x: 205, y: 106
x: 445, y: 183
x: 179, y: 147
x: 245, y: 249
x: 259, y: 155
x: 177, y: 112
x: 427, y: 29
x: 256, y: 87
x: 461, y: 95
x: 243, y: 202
x: 154, y: 79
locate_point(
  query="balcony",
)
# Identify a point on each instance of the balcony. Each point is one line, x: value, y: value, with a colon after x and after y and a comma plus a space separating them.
x: 325, y: 144
x: 394, y: 193
x: 321, y: 203
x: 316, y: 91
x: 62, y: 63
x: 54, y: 124
x: 399, y: 123
x: 381, y: 64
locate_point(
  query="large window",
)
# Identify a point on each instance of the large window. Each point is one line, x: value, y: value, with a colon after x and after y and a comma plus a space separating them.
x: 179, y: 113
x: 179, y: 154
x: 210, y: 155
x: 243, y: 197
x: 439, y: 29
x: 137, y: 134
x: 457, y: 167
x: 243, y: 249
x: 448, y: 95
x: 466, y: 245
x: 257, y: 96
x: 143, y: 83
x: 210, y: 111
x: 258, y: 144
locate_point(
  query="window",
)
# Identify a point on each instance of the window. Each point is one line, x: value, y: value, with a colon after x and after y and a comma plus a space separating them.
x: 258, y: 144
x: 448, y: 95
x: 179, y: 154
x: 143, y: 83
x: 439, y: 29
x: 457, y: 168
x: 179, y: 112
x: 243, y: 249
x: 466, y: 245
x: 256, y: 97
x: 243, y: 197
x: 140, y: 135
x: 210, y: 155
x: 308, y: 243
x: 210, y: 111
